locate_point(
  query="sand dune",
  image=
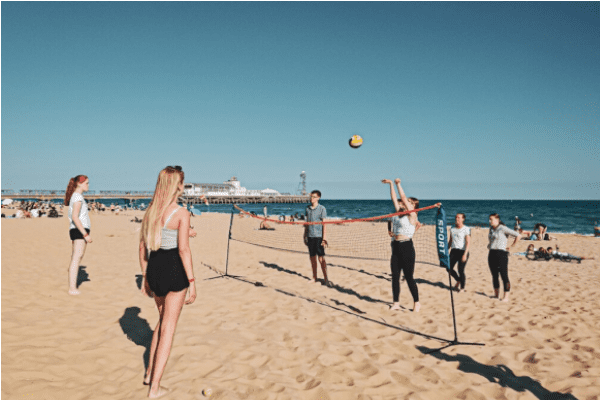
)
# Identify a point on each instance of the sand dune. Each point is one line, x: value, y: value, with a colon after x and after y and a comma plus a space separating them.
x: 269, y: 333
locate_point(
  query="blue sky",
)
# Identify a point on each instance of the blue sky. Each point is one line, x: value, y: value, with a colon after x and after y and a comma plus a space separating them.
x: 460, y: 100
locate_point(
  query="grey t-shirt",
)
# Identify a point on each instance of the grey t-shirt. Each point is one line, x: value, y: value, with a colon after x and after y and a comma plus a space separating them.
x: 499, y: 237
x: 316, y: 215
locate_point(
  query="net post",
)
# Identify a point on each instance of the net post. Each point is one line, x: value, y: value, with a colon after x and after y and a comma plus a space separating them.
x: 229, y: 240
x: 441, y: 238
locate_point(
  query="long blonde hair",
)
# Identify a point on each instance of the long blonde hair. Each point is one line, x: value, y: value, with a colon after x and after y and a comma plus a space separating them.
x: 167, y: 188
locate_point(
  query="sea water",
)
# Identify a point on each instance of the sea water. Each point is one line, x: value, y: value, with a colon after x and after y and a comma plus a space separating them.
x: 560, y: 216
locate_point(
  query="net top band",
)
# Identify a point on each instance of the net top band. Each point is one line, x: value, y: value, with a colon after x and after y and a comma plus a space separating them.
x: 345, y: 221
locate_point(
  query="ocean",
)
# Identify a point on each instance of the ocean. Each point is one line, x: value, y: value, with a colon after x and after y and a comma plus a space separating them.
x: 561, y: 216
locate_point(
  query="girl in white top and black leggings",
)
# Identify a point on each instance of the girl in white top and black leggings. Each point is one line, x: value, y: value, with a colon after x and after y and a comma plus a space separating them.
x: 402, y: 229
x: 460, y: 241
x: 498, y: 256
x: 79, y: 227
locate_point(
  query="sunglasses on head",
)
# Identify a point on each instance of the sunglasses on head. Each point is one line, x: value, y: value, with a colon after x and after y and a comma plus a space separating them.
x: 177, y: 167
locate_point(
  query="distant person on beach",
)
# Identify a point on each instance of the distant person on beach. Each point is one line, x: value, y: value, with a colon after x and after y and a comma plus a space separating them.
x: 540, y: 232
x: 498, y: 255
x: 402, y: 229
x: 166, y: 263
x: 79, y: 227
x: 517, y: 224
x: 265, y: 227
x: 315, y: 235
x: 562, y: 256
x: 525, y: 235
x: 459, y: 243
x: 265, y: 211
x: 597, y: 229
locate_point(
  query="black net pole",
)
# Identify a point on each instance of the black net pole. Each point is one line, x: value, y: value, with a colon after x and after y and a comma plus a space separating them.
x: 229, y: 240
x: 452, y: 301
x: 227, y: 260
x: 443, y: 252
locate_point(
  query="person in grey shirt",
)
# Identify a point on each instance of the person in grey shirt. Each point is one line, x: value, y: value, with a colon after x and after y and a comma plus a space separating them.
x: 498, y: 255
x: 315, y: 235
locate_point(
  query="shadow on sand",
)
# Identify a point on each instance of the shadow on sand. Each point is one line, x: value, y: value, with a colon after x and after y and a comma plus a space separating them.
x: 137, y: 330
x: 355, y: 311
x: 499, y: 374
x: 82, y: 276
x: 339, y: 288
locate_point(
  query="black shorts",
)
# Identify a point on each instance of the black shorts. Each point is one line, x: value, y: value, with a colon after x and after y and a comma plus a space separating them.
x: 75, y: 234
x: 165, y: 272
x: 315, y: 247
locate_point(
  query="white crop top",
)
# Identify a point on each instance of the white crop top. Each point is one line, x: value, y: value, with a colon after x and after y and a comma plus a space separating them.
x: 168, y: 237
x: 402, y: 226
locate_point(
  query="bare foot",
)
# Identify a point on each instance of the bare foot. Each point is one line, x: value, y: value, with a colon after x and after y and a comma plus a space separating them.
x: 395, y: 306
x: 457, y: 286
x: 417, y: 307
x: 496, y: 294
x: 505, y: 299
x: 74, y: 292
x: 315, y: 280
x: 159, y: 393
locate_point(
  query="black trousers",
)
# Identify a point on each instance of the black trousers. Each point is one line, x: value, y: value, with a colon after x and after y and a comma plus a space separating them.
x: 403, y: 259
x: 498, y: 263
x: 456, y: 256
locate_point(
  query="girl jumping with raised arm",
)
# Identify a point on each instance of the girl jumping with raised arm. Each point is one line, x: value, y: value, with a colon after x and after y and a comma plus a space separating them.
x: 402, y: 230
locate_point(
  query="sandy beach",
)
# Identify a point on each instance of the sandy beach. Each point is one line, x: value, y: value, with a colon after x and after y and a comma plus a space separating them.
x: 269, y: 333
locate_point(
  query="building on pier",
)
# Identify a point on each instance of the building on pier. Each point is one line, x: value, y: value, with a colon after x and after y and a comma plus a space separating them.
x: 228, y: 188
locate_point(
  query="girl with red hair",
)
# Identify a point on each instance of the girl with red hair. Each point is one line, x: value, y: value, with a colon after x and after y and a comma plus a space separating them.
x: 79, y: 227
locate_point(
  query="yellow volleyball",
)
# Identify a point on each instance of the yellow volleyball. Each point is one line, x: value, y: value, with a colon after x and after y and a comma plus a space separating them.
x: 356, y: 141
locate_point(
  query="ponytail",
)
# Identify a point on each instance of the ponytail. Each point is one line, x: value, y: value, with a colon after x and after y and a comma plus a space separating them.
x: 72, y: 186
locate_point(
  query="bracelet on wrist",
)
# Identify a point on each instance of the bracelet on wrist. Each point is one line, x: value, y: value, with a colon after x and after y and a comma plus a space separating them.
x: 192, y: 280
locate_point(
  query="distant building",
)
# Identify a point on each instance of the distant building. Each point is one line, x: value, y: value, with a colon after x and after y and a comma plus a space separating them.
x: 231, y: 187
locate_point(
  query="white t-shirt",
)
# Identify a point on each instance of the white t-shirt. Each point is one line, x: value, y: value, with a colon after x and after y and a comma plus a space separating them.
x: 458, y: 237
x: 84, y: 217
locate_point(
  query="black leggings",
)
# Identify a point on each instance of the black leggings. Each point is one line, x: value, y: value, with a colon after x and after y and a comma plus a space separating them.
x: 498, y: 262
x: 456, y: 256
x: 403, y: 259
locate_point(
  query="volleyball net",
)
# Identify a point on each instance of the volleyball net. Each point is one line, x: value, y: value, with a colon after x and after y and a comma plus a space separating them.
x: 362, y: 238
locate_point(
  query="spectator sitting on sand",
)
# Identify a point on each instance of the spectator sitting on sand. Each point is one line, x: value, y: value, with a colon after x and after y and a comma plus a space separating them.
x: 541, y: 233
x: 526, y: 235
x: 265, y: 227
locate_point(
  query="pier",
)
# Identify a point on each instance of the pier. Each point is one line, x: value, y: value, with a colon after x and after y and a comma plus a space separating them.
x: 245, y: 199
x: 45, y: 195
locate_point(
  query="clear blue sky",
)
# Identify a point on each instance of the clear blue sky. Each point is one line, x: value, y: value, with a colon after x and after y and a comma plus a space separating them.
x: 460, y: 100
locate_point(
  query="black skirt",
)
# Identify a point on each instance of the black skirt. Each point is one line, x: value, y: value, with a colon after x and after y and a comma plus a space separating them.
x: 165, y: 272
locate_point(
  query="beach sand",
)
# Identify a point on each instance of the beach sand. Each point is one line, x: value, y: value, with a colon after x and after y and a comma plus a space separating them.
x: 271, y: 334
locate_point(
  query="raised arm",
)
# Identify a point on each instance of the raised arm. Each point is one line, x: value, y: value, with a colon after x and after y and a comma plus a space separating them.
x: 392, y: 194
x: 403, y: 198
